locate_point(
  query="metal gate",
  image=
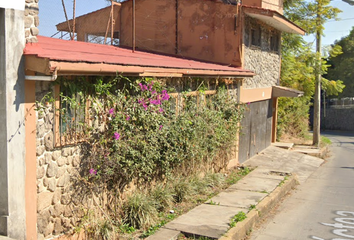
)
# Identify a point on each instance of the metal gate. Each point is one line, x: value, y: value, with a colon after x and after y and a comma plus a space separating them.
x: 256, y: 129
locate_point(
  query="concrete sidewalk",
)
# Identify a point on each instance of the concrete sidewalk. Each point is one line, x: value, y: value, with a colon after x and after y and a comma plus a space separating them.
x: 278, y: 171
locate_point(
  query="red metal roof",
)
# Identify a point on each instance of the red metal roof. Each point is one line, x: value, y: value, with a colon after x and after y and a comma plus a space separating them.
x: 82, y: 52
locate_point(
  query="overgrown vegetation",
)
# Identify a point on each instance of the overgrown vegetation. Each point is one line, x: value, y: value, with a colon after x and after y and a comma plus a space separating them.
x: 141, y: 151
x: 298, y: 67
x: 239, y: 217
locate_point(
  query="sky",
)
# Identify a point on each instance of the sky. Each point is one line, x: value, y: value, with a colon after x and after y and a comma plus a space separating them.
x: 51, y: 13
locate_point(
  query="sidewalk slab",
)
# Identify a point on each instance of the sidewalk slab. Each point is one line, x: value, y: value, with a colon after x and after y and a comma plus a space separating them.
x: 256, y: 184
x: 237, y: 198
x: 164, y: 234
x: 205, y: 220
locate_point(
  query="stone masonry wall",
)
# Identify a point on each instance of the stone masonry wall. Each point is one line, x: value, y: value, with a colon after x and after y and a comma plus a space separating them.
x: 57, y: 208
x: 60, y: 206
x: 31, y: 20
x: 260, y: 59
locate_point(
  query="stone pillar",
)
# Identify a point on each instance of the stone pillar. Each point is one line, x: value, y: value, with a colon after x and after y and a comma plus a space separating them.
x: 12, y: 131
x: 31, y: 20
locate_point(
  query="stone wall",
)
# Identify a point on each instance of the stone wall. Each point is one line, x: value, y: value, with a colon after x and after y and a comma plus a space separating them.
x: 57, y: 207
x: 60, y: 204
x: 338, y: 118
x: 261, y: 59
x: 31, y: 20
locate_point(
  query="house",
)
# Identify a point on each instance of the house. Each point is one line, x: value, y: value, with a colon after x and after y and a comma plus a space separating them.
x: 246, y: 35
x: 36, y: 167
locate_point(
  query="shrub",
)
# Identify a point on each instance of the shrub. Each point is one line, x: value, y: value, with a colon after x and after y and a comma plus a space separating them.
x: 139, y: 211
x: 162, y: 197
x: 181, y: 189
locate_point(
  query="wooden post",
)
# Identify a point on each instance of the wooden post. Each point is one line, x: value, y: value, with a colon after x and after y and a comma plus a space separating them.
x: 133, y: 25
x: 275, y: 120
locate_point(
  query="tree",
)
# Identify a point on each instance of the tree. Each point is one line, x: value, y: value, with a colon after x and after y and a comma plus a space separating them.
x: 311, y: 16
x: 342, y: 65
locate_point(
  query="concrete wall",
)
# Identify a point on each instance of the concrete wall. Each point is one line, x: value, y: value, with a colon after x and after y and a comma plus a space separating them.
x: 12, y: 134
x: 203, y: 30
x: 260, y: 59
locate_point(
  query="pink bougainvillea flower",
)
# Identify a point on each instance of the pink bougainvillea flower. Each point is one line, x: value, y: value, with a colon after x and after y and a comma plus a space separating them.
x: 93, y: 171
x: 116, y: 136
x: 248, y: 103
x: 111, y: 111
x: 153, y: 92
x: 128, y: 118
x: 160, y: 127
x: 160, y: 110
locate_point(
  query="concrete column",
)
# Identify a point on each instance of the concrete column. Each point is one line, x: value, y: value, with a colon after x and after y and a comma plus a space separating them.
x: 12, y: 130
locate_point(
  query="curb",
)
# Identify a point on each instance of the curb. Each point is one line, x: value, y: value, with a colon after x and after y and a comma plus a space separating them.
x: 243, y: 229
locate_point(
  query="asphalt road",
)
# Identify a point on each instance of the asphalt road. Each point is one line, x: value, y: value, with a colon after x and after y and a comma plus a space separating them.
x: 322, y: 208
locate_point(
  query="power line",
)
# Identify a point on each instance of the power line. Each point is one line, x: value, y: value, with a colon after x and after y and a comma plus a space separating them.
x: 340, y: 20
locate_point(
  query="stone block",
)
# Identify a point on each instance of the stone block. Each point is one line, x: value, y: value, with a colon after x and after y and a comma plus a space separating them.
x: 33, y: 9
x: 29, y: 1
x: 31, y: 40
x: 49, y: 229
x: 52, y: 184
x: 65, y: 199
x: 40, y: 129
x: 40, y: 162
x: 64, y: 180
x: 69, y: 160
x: 27, y: 33
x: 66, y: 152
x: 52, y: 169
x: 66, y: 223
x: 48, y: 158
x: 40, y: 186
x: 40, y: 172
x: 49, y: 140
x: 58, y: 228
x: 56, y: 155
x: 61, y: 172
x: 40, y: 150
x: 76, y: 161
x: 61, y: 161
x: 68, y: 211
x: 29, y: 21
x: 43, y: 219
x: 57, y: 196
x: 44, y: 200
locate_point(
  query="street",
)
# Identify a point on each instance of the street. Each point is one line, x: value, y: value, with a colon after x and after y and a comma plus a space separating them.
x: 322, y: 208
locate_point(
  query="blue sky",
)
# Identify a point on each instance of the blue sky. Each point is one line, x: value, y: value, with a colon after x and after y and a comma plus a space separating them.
x: 51, y: 13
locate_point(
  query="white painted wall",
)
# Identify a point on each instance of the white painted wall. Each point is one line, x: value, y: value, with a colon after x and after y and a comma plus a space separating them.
x: 14, y: 4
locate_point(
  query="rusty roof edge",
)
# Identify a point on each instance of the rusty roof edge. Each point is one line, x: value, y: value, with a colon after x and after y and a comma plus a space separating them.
x: 278, y: 14
x: 64, y: 68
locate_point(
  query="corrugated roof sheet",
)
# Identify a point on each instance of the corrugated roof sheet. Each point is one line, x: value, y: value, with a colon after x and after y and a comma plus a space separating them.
x: 73, y: 51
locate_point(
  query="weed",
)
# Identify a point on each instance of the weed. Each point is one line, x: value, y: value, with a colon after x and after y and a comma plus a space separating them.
x: 244, y: 171
x: 211, y: 202
x: 181, y: 190
x: 162, y: 197
x: 252, y: 206
x: 126, y: 228
x: 139, y: 211
x: 283, y: 181
x: 152, y: 229
x: 239, y: 217
x: 264, y: 191
x: 325, y: 141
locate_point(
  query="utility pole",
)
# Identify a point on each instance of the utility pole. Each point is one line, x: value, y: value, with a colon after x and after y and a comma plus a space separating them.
x: 318, y: 78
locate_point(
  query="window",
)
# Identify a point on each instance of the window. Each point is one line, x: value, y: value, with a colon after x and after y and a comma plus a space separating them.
x: 71, y: 116
x: 274, y: 42
x: 256, y: 36
x: 99, y: 38
x: 202, y: 99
